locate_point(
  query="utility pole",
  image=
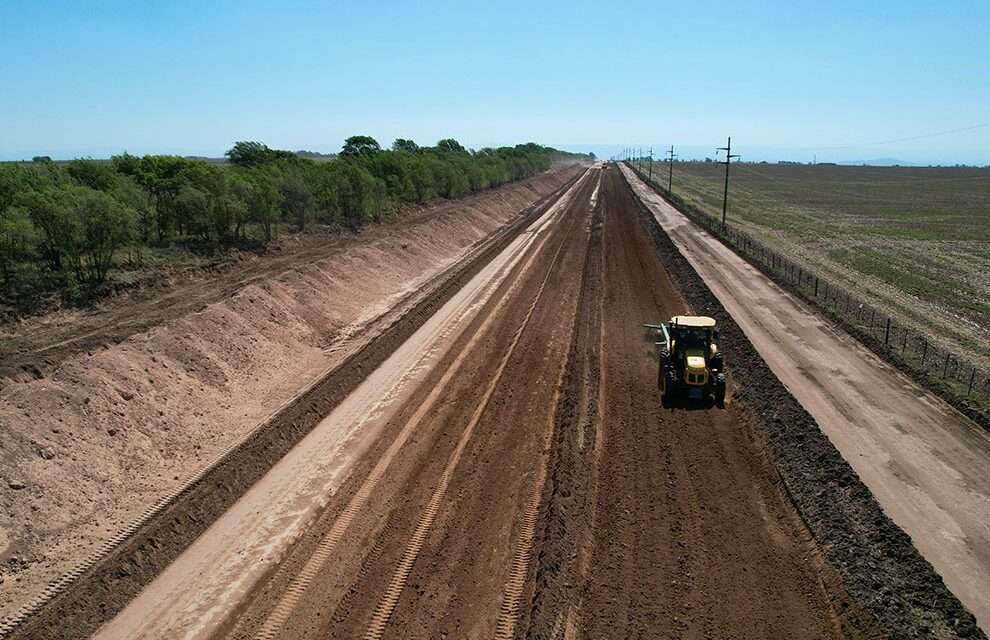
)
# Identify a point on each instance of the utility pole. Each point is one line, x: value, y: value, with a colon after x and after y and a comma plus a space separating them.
x: 670, y: 174
x: 650, y: 180
x: 728, y: 160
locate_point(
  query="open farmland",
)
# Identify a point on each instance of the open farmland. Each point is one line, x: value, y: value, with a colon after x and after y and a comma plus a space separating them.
x: 916, y: 240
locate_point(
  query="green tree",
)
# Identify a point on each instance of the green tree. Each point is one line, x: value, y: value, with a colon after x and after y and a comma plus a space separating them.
x: 51, y: 212
x: 359, y: 146
x: 93, y: 174
x: 402, y: 144
x: 192, y: 211
x: 449, y: 144
x: 106, y: 225
x: 126, y: 164
x: 253, y: 154
x: 18, y: 240
x: 128, y: 192
x: 297, y: 199
x: 162, y: 177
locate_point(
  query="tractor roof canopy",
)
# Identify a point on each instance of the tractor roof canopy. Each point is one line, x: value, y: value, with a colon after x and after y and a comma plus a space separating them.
x: 693, y: 322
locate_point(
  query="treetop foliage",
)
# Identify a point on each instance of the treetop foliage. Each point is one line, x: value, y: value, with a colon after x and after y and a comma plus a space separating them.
x: 449, y: 144
x: 401, y: 144
x: 253, y: 154
x: 360, y: 145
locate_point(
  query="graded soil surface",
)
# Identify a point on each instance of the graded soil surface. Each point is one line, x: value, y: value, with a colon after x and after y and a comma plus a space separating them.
x: 543, y: 490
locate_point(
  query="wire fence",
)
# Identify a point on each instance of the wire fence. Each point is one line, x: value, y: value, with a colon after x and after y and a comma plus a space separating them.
x: 963, y: 383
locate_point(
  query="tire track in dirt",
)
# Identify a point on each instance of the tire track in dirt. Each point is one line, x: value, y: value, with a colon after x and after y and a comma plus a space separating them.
x: 574, y: 441
x: 581, y: 372
x: 397, y: 584
x: 301, y: 581
x: 339, y: 603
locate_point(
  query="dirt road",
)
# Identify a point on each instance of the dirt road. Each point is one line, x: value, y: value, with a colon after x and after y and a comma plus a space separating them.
x: 514, y: 475
x: 924, y: 462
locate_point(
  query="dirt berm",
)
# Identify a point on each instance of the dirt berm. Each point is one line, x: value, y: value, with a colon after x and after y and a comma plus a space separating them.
x: 880, y: 567
x: 95, y: 441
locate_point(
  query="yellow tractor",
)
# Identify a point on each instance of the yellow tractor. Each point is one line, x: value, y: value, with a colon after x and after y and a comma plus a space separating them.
x: 691, y: 365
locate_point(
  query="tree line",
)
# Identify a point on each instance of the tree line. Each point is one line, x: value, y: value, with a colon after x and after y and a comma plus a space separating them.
x: 65, y: 226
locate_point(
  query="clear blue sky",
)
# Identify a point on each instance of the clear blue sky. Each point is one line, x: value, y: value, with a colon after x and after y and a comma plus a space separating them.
x: 784, y: 79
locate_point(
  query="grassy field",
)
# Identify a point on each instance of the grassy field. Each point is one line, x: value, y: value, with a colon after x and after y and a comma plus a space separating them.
x: 916, y: 240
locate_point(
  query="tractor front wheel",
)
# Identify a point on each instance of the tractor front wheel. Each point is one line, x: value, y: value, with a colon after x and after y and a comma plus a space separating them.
x: 720, y: 390
x: 667, y: 388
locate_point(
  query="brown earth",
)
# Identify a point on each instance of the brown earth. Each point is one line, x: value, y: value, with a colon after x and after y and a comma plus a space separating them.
x: 646, y: 523
x: 104, y: 412
x: 680, y: 526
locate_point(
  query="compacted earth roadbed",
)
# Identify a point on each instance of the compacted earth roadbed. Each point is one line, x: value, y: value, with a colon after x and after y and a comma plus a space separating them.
x: 506, y: 470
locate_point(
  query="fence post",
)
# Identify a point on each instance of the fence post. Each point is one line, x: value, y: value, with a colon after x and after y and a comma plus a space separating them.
x: 886, y: 335
x: 945, y: 367
x: 904, y: 342
x: 924, y: 351
x: 816, y: 286
x: 972, y: 377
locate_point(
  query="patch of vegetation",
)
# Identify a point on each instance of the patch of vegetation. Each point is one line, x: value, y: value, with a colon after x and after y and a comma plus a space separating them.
x: 67, y: 228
